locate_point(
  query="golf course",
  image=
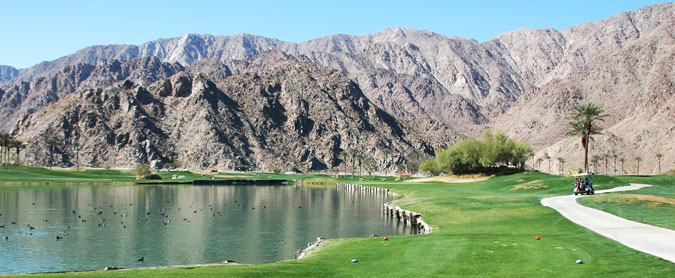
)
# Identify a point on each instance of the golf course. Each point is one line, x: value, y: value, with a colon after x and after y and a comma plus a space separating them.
x: 485, y: 228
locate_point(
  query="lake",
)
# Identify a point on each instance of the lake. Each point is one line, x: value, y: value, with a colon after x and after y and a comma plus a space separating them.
x: 99, y: 226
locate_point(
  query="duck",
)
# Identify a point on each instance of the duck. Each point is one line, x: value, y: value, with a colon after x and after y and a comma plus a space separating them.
x: 141, y: 259
x: 59, y: 237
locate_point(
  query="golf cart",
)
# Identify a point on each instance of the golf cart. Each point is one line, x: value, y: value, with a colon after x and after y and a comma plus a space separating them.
x: 583, y: 184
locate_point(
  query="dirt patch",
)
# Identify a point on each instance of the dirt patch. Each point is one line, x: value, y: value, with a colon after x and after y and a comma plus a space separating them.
x: 536, y: 184
x: 650, y: 200
x: 451, y: 179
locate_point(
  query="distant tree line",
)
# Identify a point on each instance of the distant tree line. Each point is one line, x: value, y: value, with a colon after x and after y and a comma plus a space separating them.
x: 473, y: 155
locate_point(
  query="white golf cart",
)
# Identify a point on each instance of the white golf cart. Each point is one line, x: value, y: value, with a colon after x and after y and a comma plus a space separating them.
x: 583, y: 184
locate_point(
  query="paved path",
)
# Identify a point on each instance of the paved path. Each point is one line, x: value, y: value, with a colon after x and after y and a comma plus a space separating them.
x: 650, y: 239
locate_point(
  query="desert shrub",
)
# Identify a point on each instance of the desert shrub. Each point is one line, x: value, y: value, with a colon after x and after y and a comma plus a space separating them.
x: 574, y: 171
x: 142, y: 171
x: 472, y: 155
x: 172, y: 165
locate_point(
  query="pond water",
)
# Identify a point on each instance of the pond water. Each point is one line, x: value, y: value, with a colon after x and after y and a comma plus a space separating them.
x: 100, y: 226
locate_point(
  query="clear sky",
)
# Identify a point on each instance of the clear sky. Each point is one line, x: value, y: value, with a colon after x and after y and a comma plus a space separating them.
x: 36, y: 31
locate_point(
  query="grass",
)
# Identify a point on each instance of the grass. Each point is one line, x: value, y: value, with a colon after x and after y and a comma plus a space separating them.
x: 481, y: 229
x: 653, y: 205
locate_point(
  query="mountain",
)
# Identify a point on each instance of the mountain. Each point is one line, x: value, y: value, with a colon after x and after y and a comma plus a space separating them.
x: 27, y: 97
x: 634, y: 84
x: 421, y: 76
x: 8, y: 73
x: 289, y: 117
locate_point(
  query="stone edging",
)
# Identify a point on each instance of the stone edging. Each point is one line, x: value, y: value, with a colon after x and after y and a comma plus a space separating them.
x: 408, y: 217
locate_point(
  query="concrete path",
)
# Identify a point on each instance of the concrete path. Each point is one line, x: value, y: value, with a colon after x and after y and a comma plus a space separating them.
x: 652, y: 240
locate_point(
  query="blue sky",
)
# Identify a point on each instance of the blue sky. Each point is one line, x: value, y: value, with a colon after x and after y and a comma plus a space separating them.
x: 35, y: 31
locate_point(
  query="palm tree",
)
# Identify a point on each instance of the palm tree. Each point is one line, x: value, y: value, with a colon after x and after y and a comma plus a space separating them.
x: 659, y: 156
x: 583, y: 121
x: 622, y: 160
x: 344, y: 155
x: 359, y: 158
x: 5, y: 139
x: 386, y: 152
x: 548, y: 157
x: 17, y: 145
x: 353, y: 152
x: 638, y: 159
x: 539, y: 160
x: 51, y: 143
x: 596, y: 158
x: 615, y: 157
x: 606, y: 156
x: 76, y: 145
x: 562, y: 164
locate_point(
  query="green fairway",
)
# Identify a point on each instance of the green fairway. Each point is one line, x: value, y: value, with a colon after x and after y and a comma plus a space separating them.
x: 653, y: 205
x: 481, y: 229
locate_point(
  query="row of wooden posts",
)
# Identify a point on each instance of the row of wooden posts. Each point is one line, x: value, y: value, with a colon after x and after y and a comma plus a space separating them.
x: 408, y: 217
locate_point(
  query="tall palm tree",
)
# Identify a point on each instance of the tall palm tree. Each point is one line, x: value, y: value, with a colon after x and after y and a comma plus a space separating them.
x: 18, y: 146
x: 562, y: 164
x: 596, y: 158
x: 344, y: 155
x: 359, y: 158
x: 5, y: 139
x: 638, y: 159
x: 606, y: 156
x: 615, y: 156
x: 386, y: 152
x: 51, y: 143
x: 76, y: 145
x: 622, y: 160
x: 659, y: 156
x: 353, y: 152
x: 548, y: 157
x: 583, y: 124
x: 539, y: 160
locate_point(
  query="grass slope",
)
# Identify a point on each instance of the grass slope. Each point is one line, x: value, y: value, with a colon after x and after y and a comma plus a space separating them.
x: 651, y: 205
x: 482, y: 229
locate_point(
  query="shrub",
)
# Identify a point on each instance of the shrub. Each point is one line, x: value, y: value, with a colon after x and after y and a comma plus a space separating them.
x: 471, y: 155
x: 142, y: 171
x: 172, y: 165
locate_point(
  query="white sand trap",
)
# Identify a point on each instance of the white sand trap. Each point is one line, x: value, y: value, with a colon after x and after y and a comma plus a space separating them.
x: 448, y: 179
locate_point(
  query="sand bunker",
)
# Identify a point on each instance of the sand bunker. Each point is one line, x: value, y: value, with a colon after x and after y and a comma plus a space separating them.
x: 449, y: 179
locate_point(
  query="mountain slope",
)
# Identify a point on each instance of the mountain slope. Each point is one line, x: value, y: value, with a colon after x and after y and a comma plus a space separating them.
x: 635, y: 86
x: 27, y: 97
x: 290, y: 117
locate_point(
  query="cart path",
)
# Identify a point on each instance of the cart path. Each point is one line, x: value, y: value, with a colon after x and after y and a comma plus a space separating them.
x: 650, y: 239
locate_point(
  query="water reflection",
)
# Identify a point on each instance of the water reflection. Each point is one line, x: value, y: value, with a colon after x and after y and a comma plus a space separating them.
x: 172, y: 225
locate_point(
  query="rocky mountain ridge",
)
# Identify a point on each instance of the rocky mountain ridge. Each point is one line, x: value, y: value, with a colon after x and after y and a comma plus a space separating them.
x: 27, y: 97
x: 290, y: 117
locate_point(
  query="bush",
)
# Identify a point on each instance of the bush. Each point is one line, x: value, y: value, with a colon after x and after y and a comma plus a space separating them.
x: 431, y: 167
x: 473, y: 155
x: 670, y: 172
x: 142, y: 171
x: 172, y: 165
x: 153, y: 176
